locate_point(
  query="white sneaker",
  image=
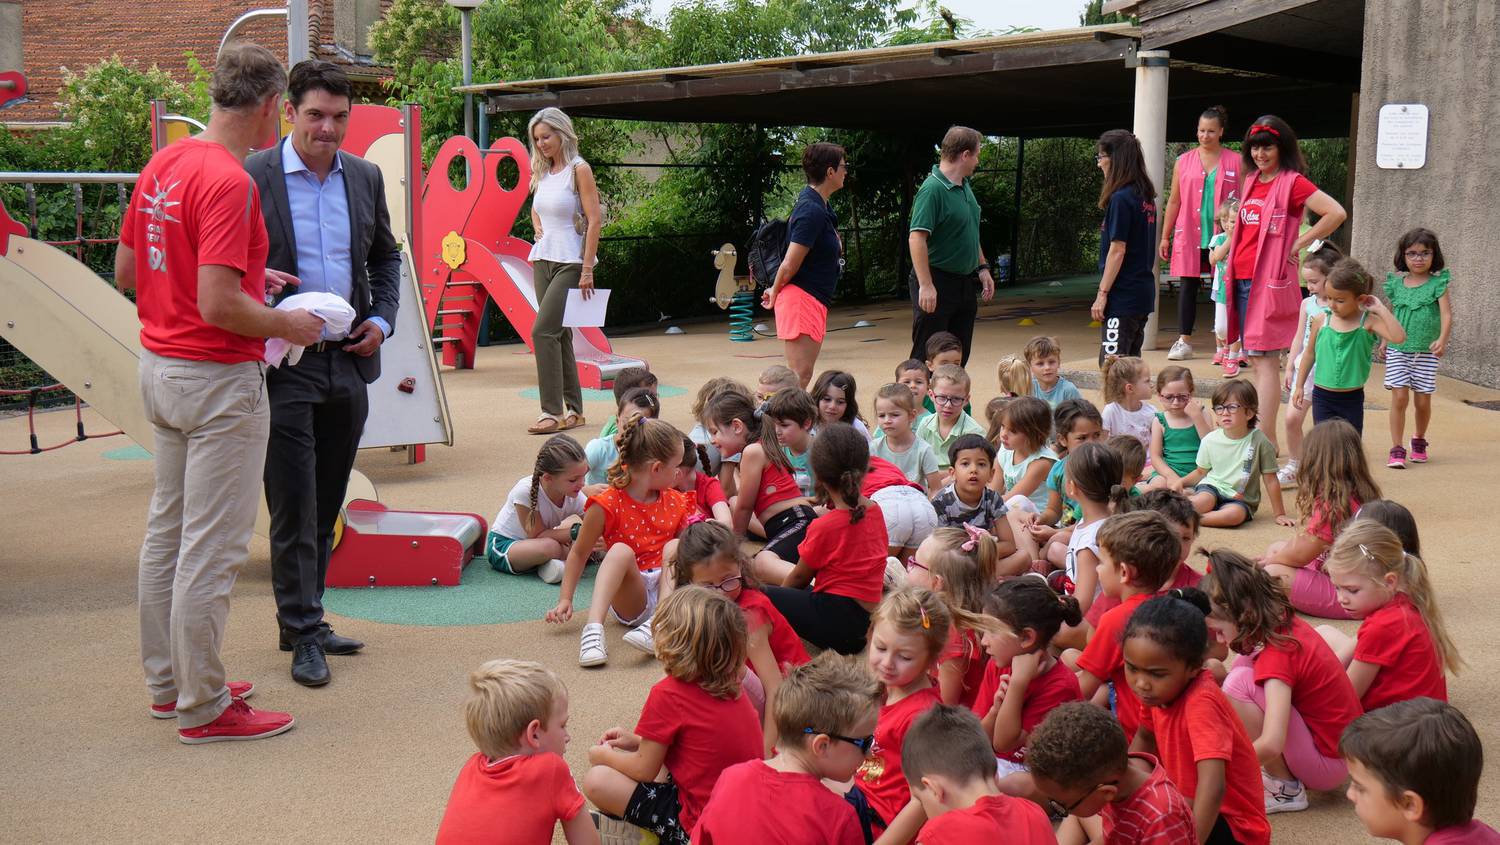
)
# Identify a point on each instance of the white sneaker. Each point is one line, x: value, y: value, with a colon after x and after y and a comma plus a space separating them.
x: 1283, y: 796
x: 640, y: 637
x: 1287, y: 475
x: 895, y: 574
x: 551, y: 572
x: 591, y: 651
x: 1181, y: 351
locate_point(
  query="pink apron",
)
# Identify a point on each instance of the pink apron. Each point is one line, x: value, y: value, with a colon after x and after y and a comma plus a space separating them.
x: 1275, y: 287
x: 1187, y: 231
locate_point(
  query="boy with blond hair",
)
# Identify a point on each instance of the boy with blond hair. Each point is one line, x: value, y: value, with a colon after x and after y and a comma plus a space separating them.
x: 825, y: 714
x: 516, y: 788
x: 1044, y: 356
x: 950, y: 392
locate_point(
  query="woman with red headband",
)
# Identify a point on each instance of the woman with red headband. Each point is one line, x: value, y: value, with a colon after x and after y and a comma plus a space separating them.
x: 1264, y: 249
x: 1203, y: 178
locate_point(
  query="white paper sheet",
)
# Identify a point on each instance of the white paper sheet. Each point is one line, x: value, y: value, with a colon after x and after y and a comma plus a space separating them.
x: 582, y: 313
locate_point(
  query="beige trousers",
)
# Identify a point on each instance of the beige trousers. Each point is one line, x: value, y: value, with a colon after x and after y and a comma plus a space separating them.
x: 211, y: 422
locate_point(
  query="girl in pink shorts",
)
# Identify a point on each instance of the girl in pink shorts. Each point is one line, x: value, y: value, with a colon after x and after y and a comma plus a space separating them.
x: 1284, y: 682
x: 1333, y: 481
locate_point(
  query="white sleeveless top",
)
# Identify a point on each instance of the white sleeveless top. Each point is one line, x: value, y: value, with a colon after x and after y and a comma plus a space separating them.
x: 555, y: 202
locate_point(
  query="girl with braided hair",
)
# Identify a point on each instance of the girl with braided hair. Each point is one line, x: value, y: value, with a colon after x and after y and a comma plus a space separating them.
x: 534, y: 530
x: 829, y: 594
x: 637, y: 518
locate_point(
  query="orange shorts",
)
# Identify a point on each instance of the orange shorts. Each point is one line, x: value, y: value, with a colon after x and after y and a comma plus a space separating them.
x: 799, y: 313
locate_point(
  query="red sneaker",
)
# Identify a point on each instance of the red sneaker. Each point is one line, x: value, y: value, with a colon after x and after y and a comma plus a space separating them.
x: 239, y: 722
x: 237, y: 689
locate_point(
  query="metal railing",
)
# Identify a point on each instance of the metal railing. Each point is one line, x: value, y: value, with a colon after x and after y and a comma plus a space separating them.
x: 29, y: 179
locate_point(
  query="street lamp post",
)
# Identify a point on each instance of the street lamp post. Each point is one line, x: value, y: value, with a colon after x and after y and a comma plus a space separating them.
x: 466, y: 15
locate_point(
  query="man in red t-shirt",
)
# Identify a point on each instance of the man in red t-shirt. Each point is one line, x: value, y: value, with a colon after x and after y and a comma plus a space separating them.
x: 193, y: 245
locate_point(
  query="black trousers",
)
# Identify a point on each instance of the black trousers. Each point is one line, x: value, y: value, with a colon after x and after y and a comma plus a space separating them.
x: 957, y: 306
x: 1187, y: 304
x: 1347, y: 405
x: 823, y: 619
x: 318, y: 410
x: 1122, y: 336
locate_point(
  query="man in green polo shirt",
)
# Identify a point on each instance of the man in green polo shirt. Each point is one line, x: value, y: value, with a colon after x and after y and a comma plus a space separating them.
x: 947, y: 262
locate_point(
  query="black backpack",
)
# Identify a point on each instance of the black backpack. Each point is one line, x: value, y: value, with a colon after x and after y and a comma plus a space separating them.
x: 767, y: 248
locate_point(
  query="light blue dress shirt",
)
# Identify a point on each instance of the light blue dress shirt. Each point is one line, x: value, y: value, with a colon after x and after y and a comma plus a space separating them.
x: 320, y: 222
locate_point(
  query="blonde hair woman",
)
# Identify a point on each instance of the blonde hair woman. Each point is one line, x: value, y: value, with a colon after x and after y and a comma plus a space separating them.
x: 565, y: 215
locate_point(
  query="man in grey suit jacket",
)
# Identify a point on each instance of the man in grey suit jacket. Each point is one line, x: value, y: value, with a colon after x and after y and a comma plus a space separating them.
x: 328, y: 225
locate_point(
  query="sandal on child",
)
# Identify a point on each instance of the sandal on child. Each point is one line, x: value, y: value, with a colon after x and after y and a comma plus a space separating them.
x: 545, y: 424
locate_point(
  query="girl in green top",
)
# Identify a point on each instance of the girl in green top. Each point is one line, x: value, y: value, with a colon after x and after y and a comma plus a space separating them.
x: 1178, y: 429
x: 1339, y: 344
x: 1419, y: 299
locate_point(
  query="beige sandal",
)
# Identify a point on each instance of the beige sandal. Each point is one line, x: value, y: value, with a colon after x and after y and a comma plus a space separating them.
x: 573, y: 420
x: 545, y: 424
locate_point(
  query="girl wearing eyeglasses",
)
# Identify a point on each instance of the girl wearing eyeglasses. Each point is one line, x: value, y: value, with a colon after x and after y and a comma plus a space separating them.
x: 1418, y: 293
x: 1178, y: 428
x: 708, y: 555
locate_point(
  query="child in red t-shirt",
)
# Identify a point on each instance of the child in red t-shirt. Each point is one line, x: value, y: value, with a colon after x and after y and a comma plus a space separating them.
x: 696, y: 722
x: 1184, y: 519
x: 1138, y: 554
x: 637, y: 519
x: 695, y: 479
x: 516, y: 788
x: 1188, y: 722
x: 1402, y: 647
x: 825, y: 715
x: 1023, y: 681
x: 709, y: 555
x: 959, y: 565
x: 947, y: 763
x: 1079, y: 760
x: 844, y: 550
x: 1286, y: 683
x: 908, y: 632
x: 1414, y: 772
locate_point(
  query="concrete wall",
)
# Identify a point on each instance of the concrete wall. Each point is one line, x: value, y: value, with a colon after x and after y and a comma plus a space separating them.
x: 10, y: 36
x: 1445, y: 54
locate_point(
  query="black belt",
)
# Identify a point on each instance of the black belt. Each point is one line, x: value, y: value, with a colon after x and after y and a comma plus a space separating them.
x: 325, y: 346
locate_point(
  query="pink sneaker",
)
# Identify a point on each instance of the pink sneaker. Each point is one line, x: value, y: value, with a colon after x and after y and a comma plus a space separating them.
x: 1231, y: 367
x: 1397, y: 459
x: 1219, y: 356
x: 1419, y: 450
x: 237, y: 689
x: 239, y: 722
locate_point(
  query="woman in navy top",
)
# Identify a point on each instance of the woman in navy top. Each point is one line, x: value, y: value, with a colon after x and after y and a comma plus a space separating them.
x: 1127, y: 263
x: 803, y: 288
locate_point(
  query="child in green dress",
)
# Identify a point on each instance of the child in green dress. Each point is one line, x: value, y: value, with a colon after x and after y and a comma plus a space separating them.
x: 1418, y: 294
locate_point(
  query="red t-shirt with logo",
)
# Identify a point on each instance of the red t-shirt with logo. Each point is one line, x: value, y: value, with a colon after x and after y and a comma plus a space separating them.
x: 517, y: 799
x: 753, y: 804
x: 1055, y: 686
x: 194, y: 204
x: 704, y: 735
x: 880, y: 778
x: 1252, y: 205
x: 1321, y: 691
x: 786, y: 646
x: 993, y: 818
x: 1201, y: 725
x: 848, y: 557
x: 1104, y: 658
x: 1396, y: 639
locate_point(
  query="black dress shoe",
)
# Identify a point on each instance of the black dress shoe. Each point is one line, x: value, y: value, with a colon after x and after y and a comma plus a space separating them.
x: 309, y: 667
x: 332, y: 643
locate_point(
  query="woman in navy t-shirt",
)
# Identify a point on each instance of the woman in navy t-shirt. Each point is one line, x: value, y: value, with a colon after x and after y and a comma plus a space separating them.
x: 804, y: 283
x: 1127, y: 280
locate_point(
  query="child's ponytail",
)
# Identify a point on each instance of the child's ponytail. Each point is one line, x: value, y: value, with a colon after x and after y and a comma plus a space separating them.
x: 1418, y: 587
x: 1023, y: 603
x: 840, y: 457
x: 695, y: 455
x: 965, y: 558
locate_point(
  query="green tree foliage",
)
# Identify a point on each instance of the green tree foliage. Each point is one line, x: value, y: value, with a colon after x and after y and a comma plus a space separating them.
x: 1093, y: 15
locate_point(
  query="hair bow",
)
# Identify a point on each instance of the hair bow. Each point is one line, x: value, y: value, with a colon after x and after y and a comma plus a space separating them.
x: 1262, y: 127
x: 974, y: 535
x: 1315, y: 245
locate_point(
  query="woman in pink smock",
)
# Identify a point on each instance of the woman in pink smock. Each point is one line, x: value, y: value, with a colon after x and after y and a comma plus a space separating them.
x: 1204, y: 177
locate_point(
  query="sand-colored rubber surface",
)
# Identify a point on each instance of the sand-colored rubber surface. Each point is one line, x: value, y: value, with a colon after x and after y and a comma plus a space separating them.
x: 374, y: 753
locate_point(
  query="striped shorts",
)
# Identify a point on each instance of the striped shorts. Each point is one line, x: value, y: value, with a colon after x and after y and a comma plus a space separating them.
x: 1414, y: 370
